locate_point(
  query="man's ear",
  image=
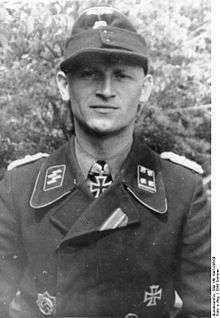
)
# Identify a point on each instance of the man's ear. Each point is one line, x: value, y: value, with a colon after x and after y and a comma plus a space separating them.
x: 146, y: 88
x: 63, y: 86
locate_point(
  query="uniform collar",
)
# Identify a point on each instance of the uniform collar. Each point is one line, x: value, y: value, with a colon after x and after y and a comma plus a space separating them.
x: 57, y: 177
x: 142, y: 157
x: 115, y: 162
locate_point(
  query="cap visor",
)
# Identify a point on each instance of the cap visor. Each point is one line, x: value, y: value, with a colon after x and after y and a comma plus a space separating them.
x: 116, y: 55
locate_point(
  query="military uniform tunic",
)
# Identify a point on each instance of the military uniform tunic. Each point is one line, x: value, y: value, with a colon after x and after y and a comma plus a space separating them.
x: 65, y: 254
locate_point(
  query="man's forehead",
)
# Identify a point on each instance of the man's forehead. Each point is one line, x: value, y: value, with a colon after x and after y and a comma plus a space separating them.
x: 103, y: 63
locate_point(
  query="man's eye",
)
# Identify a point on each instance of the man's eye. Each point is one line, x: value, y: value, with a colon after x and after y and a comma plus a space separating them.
x: 87, y: 73
x: 121, y: 75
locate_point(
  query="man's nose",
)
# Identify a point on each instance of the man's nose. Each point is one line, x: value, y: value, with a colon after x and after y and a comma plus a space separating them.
x: 105, y: 89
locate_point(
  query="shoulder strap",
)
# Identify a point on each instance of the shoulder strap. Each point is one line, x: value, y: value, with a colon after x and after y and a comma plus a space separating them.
x: 26, y: 159
x: 181, y: 160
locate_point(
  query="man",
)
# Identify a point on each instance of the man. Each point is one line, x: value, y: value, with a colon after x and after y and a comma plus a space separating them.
x: 103, y: 227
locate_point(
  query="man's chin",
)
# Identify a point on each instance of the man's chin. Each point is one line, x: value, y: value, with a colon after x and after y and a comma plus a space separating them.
x: 102, y: 131
x: 102, y: 128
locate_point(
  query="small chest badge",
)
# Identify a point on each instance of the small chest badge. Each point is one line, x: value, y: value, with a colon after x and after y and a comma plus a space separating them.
x: 151, y: 297
x: 146, y: 179
x: 54, y: 177
x: 46, y: 303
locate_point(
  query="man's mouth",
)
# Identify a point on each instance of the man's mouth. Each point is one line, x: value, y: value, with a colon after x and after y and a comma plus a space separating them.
x: 104, y: 109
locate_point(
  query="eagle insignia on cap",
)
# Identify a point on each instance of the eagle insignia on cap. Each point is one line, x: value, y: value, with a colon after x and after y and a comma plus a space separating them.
x: 146, y: 179
x: 46, y: 303
x: 99, y: 24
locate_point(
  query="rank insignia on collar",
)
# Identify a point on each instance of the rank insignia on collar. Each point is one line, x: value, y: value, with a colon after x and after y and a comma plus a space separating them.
x: 151, y: 297
x: 46, y: 303
x: 54, y: 177
x: 146, y: 179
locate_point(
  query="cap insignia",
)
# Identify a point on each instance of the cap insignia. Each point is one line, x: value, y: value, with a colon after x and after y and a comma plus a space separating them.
x: 99, y: 24
x: 54, y: 177
x: 46, y: 303
x: 146, y: 179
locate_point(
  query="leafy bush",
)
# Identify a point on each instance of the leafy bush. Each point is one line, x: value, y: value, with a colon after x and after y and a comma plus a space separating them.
x: 32, y: 34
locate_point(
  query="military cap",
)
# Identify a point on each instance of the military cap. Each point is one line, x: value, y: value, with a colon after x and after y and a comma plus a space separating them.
x: 107, y: 32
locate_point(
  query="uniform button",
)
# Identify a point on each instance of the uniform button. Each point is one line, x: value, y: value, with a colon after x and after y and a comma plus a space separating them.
x: 108, y: 40
x: 131, y: 315
x: 105, y: 32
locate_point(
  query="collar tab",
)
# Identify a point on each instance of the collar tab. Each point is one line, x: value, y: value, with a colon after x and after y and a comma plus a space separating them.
x: 143, y: 179
x: 146, y: 179
x: 55, y: 179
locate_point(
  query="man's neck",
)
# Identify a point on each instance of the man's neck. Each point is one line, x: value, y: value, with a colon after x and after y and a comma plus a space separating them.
x: 104, y: 147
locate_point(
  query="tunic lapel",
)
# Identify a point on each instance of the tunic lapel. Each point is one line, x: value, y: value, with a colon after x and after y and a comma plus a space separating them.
x: 78, y: 214
x: 64, y: 215
x: 112, y: 210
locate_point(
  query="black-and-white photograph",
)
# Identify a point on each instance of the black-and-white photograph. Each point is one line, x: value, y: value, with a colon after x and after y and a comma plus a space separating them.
x: 105, y: 159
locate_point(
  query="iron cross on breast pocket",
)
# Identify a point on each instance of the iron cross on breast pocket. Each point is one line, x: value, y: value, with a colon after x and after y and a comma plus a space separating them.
x: 155, y: 294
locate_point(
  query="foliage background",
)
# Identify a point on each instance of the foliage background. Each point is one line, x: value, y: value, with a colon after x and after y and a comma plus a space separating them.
x: 32, y: 34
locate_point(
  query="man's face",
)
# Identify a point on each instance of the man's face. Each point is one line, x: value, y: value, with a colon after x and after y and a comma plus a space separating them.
x: 105, y: 96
